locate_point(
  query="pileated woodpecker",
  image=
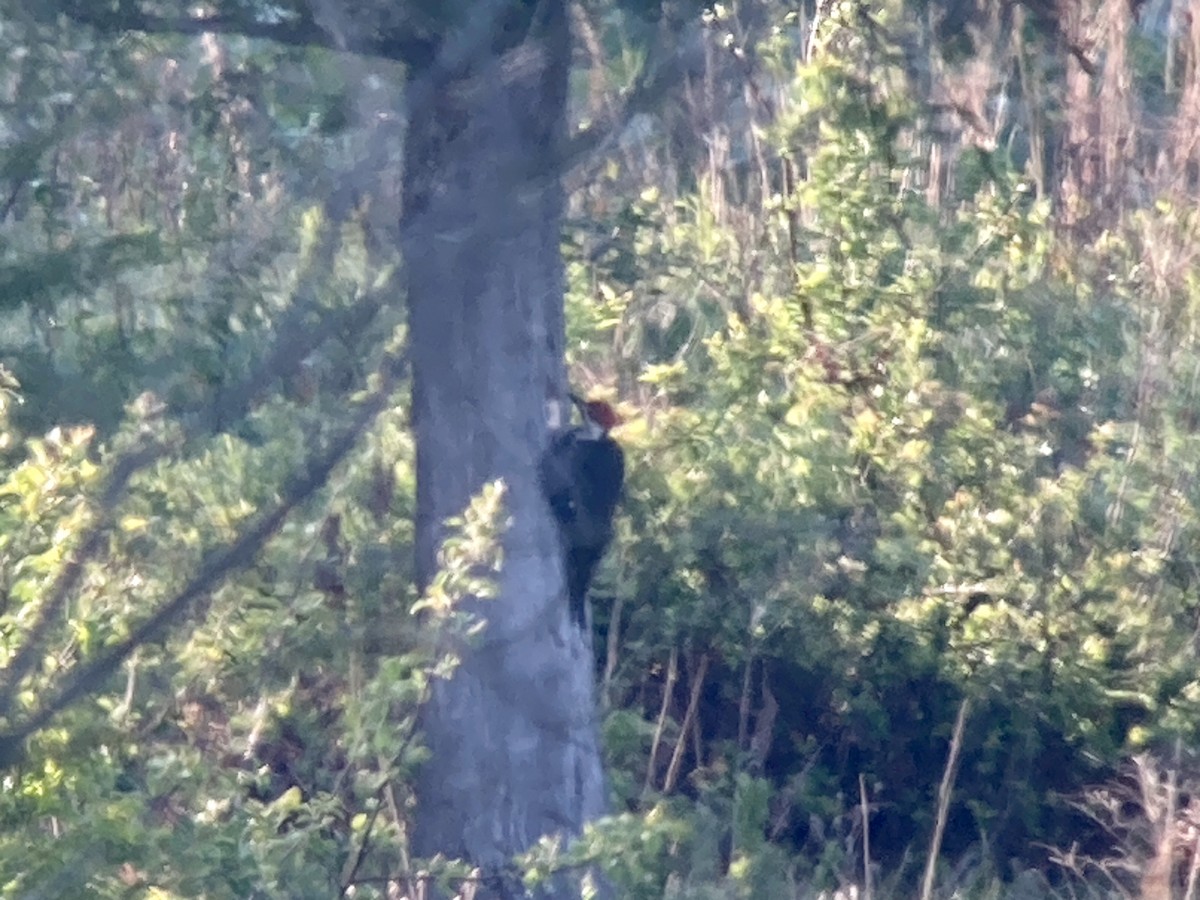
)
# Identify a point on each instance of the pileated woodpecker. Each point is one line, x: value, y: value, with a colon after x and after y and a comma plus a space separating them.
x: 582, y: 472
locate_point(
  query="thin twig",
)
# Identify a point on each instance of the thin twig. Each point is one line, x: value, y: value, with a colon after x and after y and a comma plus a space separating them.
x: 943, y: 807
x: 688, y: 719
x: 865, y: 808
x: 353, y: 863
x: 668, y: 692
x: 743, y: 733
x: 612, y: 648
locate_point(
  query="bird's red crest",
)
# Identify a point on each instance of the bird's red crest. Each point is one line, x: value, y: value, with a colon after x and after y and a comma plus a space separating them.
x: 602, y: 414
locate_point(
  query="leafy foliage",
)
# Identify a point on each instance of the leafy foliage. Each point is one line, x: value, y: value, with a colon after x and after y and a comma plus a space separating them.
x: 271, y: 742
x: 907, y: 465
x: 897, y: 438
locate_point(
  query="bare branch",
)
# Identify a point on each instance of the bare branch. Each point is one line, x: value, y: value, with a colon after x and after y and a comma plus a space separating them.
x: 300, y: 32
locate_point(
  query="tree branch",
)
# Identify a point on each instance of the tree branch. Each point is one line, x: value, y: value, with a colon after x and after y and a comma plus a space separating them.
x: 304, y: 30
x: 301, y: 33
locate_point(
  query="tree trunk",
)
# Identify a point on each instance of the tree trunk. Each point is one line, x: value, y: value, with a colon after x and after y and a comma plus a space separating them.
x: 512, y: 736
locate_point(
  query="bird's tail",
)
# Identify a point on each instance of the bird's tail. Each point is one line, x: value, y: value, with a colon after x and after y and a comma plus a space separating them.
x: 581, y: 565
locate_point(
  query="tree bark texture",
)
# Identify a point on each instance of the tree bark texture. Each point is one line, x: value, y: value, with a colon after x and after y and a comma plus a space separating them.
x: 512, y: 736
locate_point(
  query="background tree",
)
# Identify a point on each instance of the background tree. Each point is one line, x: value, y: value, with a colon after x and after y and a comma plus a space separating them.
x: 512, y: 737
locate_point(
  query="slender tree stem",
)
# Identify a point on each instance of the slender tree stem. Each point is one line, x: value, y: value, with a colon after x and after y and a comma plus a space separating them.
x: 865, y: 808
x: 689, y: 718
x: 668, y: 693
x: 943, y: 807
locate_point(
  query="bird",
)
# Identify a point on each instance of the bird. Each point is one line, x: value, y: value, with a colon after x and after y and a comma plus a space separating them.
x: 582, y: 474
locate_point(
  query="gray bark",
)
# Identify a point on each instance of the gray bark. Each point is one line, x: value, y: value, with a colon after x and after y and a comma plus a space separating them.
x: 512, y: 736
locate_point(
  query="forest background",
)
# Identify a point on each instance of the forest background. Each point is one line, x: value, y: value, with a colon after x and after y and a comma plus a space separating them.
x: 898, y: 301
